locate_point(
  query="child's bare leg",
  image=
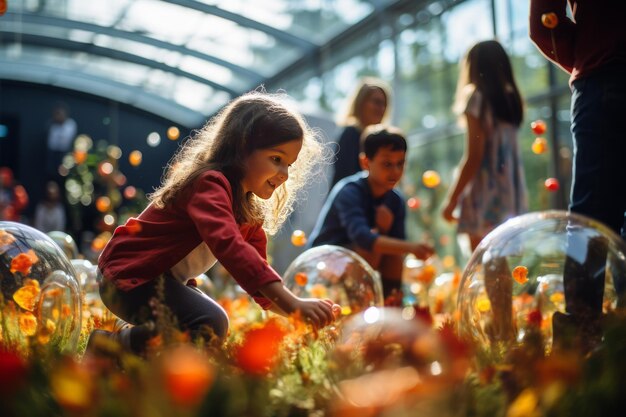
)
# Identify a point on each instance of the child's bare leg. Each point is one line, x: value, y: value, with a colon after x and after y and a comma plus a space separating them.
x: 499, y: 287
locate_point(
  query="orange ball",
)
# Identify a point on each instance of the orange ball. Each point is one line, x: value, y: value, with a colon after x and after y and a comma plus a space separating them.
x: 551, y: 184
x: 520, y: 274
x: 130, y: 192
x: 549, y: 20
x: 540, y: 145
x: 298, y: 238
x: 431, y: 179
x: 173, y: 133
x: 135, y: 158
x: 80, y: 157
x: 103, y: 204
x: 3, y: 7
x: 413, y: 203
x: 538, y: 127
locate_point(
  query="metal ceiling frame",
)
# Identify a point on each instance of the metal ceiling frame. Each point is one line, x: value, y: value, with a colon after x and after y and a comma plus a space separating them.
x: 75, y: 46
x: 102, y: 87
x: 58, y: 22
x: 287, y: 37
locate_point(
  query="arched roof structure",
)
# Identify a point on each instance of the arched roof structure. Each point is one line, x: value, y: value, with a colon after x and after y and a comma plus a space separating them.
x: 181, y: 59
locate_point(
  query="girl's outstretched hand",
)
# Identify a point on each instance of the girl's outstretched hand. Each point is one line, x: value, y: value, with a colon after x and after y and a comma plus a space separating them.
x: 318, y: 313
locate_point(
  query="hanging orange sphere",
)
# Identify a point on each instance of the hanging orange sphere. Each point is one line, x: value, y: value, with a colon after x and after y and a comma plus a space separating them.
x: 103, y: 204
x: 3, y: 7
x: 173, y: 133
x: 431, y: 178
x: 540, y: 145
x: 135, y: 158
x: 538, y: 127
x: 549, y: 20
x: 551, y: 184
x: 130, y: 192
x: 298, y: 238
x: 413, y: 203
x: 79, y: 156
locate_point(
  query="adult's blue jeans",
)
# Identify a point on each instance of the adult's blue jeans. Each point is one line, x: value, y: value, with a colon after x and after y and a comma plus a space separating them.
x: 599, y: 135
x: 598, y: 183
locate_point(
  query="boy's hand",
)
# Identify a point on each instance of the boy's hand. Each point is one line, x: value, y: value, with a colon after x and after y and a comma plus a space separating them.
x: 422, y: 251
x: 384, y: 219
x: 447, y: 213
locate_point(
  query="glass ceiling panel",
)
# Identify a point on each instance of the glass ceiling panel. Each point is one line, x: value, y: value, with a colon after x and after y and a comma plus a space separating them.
x: 196, y: 53
x: 316, y: 20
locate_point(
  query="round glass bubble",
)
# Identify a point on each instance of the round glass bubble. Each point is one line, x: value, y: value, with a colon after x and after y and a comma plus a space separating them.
x: 387, y: 358
x: 336, y: 273
x: 552, y: 271
x: 39, y: 289
x: 65, y: 242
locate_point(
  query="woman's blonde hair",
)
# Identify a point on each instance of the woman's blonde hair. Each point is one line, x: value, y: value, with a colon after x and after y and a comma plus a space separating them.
x: 256, y: 120
x: 353, y: 112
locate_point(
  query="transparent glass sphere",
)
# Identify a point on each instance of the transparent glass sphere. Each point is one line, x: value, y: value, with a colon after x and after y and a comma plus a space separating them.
x: 65, y: 242
x: 336, y: 273
x: 39, y: 289
x: 554, y: 273
x: 388, y: 358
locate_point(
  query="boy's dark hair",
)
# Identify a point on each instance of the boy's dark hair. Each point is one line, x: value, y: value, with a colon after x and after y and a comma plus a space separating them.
x: 375, y: 137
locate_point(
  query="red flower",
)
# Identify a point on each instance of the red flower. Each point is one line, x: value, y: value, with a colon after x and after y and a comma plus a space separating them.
x: 13, y: 371
x: 258, y: 353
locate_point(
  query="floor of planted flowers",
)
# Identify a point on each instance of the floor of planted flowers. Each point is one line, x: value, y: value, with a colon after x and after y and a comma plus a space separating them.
x: 403, y: 359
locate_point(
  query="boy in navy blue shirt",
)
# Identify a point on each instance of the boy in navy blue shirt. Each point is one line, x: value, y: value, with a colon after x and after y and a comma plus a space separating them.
x: 366, y: 214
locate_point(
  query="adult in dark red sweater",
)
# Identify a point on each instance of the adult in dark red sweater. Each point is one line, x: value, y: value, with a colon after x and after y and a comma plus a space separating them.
x: 232, y: 180
x: 591, y: 46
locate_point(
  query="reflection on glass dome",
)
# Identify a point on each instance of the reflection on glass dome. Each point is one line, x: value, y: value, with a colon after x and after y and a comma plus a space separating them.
x: 95, y: 313
x: 39, y: 291
x: 65, y: 242
x: 337, y: 273
x: 388, y: 359
x: 553, y: 271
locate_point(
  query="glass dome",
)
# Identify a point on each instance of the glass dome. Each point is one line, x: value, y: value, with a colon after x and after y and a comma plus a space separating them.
x: 337, y: 273
x: 554, y: 273
x: 389, y: 359
x: 40, y: 293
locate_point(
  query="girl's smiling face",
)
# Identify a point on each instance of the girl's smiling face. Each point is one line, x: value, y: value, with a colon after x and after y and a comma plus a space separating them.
x: 268, y: 169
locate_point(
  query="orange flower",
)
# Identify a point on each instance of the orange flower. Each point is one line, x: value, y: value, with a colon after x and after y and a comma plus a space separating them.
x: 301, y: 278
x: 258, y: 353
x: 520, y: 274
x: 187, y: 375
x: 426, y: 274
x: 28, y: 323
x: 73, y: 387
x: 23, y: 262
x: 27, y: 296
